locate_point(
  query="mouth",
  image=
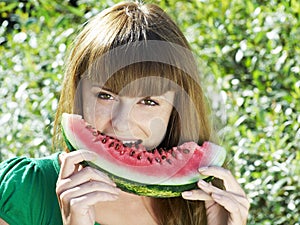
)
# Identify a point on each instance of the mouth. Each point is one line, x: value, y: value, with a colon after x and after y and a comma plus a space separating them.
x: 130, y: 143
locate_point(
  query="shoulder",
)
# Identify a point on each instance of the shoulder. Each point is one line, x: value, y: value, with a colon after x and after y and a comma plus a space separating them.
x: 27, y: 182
x: 19, y: 169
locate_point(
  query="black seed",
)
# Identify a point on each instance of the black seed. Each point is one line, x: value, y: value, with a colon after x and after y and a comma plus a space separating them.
x: 158, y: 160
x: 149, y: 159
x: 117, y: 146
x: 186, y: 151
x: 132, y: 153
x: 111, y: 144
x: 163, y: 157
x: 122, y: 152
x: 139, y: 157
x: 160, y: 151
x: 104, y: 140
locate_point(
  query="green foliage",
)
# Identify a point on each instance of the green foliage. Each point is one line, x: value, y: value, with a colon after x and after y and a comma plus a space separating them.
x: 250, y: 48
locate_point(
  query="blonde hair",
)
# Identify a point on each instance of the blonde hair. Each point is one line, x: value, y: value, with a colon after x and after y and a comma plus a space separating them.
x: 133, y: 41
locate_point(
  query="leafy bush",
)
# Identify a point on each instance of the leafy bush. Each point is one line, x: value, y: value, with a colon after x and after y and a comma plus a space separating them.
x: 250, y: 48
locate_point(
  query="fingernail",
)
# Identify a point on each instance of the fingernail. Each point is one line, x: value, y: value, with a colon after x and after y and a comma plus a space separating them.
x: 202, y: 169
x: 203, y: 183
x: 187, y: 193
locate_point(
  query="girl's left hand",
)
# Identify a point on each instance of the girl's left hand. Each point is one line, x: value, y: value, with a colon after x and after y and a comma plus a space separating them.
x: 226, y: 207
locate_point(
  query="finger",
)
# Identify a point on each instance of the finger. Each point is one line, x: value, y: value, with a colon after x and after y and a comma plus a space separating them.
x: 238, y: 212
x: 210, y: 189
x: 87, y: 188
x: 230, y: 183
x: 196, y: 195
x: 81, y: 205
x: 85, y: 175
x: 72, y: 159
x: 90, y: 199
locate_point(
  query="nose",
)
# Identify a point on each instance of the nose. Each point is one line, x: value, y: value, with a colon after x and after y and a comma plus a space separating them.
x: 121, y: 116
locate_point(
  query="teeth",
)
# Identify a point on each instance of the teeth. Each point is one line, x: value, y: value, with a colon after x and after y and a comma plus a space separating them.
x: 129, y: 143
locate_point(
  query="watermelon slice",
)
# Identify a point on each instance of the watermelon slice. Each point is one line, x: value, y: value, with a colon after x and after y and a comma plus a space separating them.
x: 156, y: 173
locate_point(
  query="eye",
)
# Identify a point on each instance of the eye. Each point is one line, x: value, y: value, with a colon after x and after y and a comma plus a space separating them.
x: 105, y: 96
x: 148, y: 102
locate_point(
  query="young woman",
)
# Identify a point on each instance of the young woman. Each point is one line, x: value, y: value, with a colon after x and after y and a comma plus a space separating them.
x: 131, y: 74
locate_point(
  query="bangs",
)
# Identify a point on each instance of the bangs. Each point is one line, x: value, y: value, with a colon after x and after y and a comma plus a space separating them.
x: 141, y: 79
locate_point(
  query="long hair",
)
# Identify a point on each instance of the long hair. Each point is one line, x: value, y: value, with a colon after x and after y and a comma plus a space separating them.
x: 139, y: 42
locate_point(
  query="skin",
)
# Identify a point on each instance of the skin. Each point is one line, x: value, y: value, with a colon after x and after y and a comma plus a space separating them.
x: 87, y: 195
x: 127, y: 118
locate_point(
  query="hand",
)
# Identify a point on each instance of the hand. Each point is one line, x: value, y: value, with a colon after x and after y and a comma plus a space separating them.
x: 79, y: 189
x: 223, y: 207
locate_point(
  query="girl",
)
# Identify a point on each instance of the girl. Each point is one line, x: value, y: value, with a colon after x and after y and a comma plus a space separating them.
x: 131, y: 74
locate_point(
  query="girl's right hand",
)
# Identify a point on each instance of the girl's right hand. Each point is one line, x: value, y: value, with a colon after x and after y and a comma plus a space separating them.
x: 80, y: 188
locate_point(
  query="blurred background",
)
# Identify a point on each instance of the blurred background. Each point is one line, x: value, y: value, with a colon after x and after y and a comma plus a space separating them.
x: 249, y: 49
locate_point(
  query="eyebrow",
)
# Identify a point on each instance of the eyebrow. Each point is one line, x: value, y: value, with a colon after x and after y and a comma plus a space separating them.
x: 103, y: 88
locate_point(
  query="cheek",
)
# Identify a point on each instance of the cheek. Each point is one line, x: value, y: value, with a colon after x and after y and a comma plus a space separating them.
x: 157, y: 126
x: 156, y: 130
x: 153, y: 122
x: 97, y: 115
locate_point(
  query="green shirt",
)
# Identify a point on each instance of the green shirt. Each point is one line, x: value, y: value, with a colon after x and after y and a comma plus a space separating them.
x: 27, y: 191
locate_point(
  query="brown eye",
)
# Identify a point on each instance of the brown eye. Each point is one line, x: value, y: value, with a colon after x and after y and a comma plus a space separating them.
x: 148, y: 102
x: 104, y: 96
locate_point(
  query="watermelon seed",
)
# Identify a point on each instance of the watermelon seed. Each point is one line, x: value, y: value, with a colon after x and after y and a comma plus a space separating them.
x: 95, y: 133
x: 104, y: 140
x: 186, y: 151
x: 117, y: 146
x: 163, y: 157
x: 158, y: 160
x: 160, y: 150
x: 139, y: 157
x: 111, y: 144
x: 122, y: 152
x: 149, y: 159
x: 132, y: 153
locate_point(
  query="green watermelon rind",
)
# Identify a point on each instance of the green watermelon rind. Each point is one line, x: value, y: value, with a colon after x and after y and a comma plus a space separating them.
x: 158, y: 191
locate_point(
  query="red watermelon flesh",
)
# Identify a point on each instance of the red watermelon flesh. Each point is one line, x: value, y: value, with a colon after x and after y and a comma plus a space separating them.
x: 177, y: 166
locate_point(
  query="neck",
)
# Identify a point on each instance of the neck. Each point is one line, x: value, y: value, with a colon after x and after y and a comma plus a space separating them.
x: 129, y: 209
